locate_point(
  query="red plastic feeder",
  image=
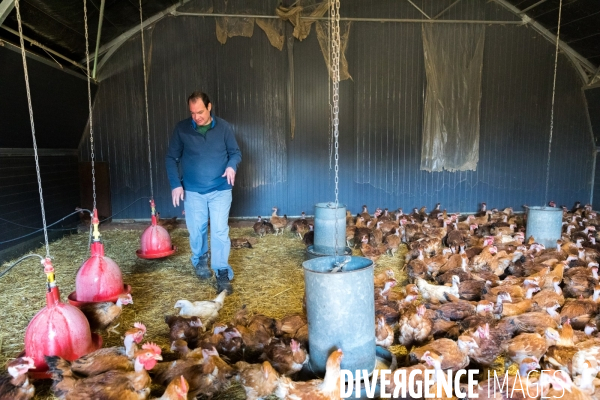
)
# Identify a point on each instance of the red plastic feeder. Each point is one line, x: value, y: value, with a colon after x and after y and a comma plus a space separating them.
x: 59, y: 329
x: 99, y: 278
x: 156, y: 241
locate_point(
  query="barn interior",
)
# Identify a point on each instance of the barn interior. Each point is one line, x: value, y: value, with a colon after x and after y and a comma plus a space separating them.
x: 412, y: 141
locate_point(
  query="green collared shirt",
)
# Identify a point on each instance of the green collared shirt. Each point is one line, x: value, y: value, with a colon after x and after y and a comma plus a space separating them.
x: 202, y: 129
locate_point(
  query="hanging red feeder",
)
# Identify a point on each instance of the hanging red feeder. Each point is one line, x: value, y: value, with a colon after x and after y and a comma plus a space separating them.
x: 155, y: 241
x: 99, y: 278
x: 58, y: 329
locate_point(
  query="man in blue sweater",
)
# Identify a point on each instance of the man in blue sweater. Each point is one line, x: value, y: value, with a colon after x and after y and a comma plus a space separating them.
x: 206, y: 148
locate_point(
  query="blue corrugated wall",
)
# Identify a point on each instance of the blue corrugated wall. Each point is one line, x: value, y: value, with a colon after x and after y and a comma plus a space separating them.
x: 381, y: 114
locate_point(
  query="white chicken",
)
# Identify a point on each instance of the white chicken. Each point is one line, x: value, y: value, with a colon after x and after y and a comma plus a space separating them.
x: 436, y: 292
x: 207, y: 311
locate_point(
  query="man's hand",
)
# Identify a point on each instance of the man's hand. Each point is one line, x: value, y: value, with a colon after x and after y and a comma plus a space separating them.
x: 177, y: 194
x: 230, y: 174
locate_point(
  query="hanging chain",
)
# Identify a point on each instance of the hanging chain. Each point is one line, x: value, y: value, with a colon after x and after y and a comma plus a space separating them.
x: 146, y: 98
x: 552, y: 107
x: 335, y: 66
x: 37, y: 163
x: 335, y: 77
x: 87, y: 71
x: 329, y: 88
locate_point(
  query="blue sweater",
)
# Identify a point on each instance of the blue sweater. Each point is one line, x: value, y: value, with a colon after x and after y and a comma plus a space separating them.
x: 203, y: 158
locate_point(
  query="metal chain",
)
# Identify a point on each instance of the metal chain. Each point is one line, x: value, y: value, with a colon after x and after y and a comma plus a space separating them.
x: 335, y: 64
x: 552, y: 107
x: 335, y: 77
x: 37, y: 163
x: 146, y: 98
x: 87, y: 71
x: 330, y: 107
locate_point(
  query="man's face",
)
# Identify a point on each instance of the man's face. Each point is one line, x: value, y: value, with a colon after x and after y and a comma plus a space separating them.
x: 200, y: 113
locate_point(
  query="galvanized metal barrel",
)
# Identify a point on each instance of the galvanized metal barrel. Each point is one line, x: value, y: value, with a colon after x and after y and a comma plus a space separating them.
x: 341, y: 312
x: 326, y: 231
x: 545, y: 225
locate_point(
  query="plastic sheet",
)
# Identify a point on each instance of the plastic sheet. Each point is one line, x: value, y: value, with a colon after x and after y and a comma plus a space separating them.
x: 323, y: 36
x: 306, y: 8
x: 453, y: 65
x: 229, y: 27
x: 273, y: 28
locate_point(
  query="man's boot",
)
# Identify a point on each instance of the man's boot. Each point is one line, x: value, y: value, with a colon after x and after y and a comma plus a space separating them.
x: 223, y: 282
x: 202, y: 269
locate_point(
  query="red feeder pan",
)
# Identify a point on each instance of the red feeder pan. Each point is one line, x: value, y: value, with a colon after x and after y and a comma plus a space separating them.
x: 98, y: 279
x: 59, y: 329
x: 156, y: 242
x: 72, y: 298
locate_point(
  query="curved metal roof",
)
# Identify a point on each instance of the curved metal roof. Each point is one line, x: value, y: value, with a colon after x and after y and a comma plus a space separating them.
x: 58, y: 24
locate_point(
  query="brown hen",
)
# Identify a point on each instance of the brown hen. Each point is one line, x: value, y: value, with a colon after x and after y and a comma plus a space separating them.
x: 14, y: 384
x: 258, y: 380
x: 111, y: 385
x: 103, y: 316
x: 317, y: 389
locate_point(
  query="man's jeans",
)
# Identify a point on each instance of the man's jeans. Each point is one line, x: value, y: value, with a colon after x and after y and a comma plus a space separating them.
x: 198, y: 209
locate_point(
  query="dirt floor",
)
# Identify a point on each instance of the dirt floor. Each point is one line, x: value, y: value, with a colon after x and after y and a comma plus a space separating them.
x: 268, y: 279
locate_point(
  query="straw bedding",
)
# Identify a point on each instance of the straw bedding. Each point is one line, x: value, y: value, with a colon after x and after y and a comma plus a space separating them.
x: 268, y: 279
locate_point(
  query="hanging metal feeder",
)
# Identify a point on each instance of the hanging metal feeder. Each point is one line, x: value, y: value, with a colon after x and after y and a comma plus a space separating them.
x: 58, y: 329
x: 155, y: 241
x: 99, y: 278
x: 340, y: 309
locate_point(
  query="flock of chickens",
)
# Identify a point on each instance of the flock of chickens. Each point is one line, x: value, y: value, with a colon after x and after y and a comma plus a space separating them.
x: 477, y: 291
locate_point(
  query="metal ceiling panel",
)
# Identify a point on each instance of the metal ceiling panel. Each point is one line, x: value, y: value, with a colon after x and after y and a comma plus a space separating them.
x: 58, y: 24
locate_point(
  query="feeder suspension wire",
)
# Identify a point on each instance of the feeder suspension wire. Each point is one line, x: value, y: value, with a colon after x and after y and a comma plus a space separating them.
x: 11, y: 266
x: 146, y: 99
x: 334, y: 16
x: 552, y: 107
x: 87, y: 72
x: 37, y: 163
x: 40, y: 229
x: 35, y: 227
x: 335, y: 65
x: 63, y: 218
x: 329, y: 106
x: 52, y: 224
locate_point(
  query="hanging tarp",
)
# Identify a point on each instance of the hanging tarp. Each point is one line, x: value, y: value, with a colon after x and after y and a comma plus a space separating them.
x: 295, y: 14
x: 227, y: 27
x: 273, y: 28
x: 324, y: 43
x: 453, y: 66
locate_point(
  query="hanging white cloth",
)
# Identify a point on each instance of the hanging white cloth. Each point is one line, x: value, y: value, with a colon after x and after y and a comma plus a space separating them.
x: 453, y: 65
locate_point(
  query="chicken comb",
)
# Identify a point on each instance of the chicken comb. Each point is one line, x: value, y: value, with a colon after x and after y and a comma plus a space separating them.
x: 219, y: 328
x: 22, y: 360
x: 183, y: 384
x: 29, y: 360
x: 152, y: 347
x: 140, y: 326
x: 210, y: 352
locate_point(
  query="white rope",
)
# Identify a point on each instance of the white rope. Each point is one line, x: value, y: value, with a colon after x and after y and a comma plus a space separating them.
x: 37, y: 163
x: 552, y: 107
x: 146, y: 98
x: 334, y: 16
x: 89, y: 87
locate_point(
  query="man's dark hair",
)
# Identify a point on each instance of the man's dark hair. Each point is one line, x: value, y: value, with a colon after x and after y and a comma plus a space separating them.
x: 199, y: 95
